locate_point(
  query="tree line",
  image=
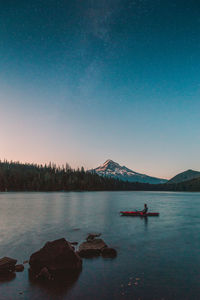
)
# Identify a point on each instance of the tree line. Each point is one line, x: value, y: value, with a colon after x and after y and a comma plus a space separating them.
x: 15, y: 176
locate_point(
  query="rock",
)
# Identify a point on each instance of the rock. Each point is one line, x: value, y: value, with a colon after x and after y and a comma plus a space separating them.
x: 44, y: 274
x: 89, y: 253
x: 25, y: 262
x: 92, y: 236
x: 74, y: 243
x: 109, y: 252
x: 91, y: 248
x: 57, y: 256
x: 19, y: 268
x: 7, y: 276
x: 7, y: 264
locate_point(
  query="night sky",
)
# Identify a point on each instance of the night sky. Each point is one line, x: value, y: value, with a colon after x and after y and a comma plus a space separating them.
x: 84, y: 81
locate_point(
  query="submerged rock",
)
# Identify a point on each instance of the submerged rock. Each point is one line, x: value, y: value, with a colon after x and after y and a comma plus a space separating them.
x: 56, y: 256
x: 91, y: 248
x: 95, y: 247
x: 109, y: 252
x: 92, y: 236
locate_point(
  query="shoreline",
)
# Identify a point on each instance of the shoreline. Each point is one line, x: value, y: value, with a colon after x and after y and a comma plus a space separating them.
x: 89, y: 191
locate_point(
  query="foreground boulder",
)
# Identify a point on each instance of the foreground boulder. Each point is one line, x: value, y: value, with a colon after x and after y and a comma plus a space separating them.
x: 54, y: 257
x: 91, y: 248
x: 45, y: 274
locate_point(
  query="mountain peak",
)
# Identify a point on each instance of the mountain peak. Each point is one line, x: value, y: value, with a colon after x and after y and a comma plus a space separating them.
x: 112, y: 169
x: 110, y: 162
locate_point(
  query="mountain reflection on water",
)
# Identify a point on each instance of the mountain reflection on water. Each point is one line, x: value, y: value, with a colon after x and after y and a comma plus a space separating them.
x: 158, y: 258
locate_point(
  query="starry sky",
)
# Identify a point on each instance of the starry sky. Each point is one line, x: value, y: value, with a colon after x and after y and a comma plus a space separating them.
x: 82, y: 81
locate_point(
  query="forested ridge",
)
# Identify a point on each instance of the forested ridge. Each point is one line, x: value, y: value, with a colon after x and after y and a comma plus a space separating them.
x: 16, y: 176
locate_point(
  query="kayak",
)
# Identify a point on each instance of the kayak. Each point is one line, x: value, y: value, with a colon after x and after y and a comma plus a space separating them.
x: 138, y: 214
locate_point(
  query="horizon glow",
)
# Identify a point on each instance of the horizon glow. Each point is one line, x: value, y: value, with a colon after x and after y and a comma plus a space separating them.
x: 86, y: 81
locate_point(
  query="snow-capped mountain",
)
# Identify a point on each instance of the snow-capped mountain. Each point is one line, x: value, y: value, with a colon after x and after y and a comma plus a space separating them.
x: 113, y: 169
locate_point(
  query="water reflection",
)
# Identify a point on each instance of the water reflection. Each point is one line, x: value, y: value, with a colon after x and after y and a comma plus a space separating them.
x: 163, y: 252
x: 146, y: 220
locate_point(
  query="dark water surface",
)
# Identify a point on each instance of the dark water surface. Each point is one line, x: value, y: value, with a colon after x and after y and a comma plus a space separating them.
x: 158, y: 257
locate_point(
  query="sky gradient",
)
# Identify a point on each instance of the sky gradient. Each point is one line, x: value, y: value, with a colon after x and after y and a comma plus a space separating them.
x: 84, y: 81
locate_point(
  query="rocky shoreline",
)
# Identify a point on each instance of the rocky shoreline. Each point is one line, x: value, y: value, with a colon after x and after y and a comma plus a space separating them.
x: 59, y: 258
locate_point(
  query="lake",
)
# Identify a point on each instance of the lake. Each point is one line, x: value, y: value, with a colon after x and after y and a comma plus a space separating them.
x: 158, y: 257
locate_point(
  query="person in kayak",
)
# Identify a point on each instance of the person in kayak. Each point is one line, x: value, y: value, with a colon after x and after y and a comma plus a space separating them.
x: 144, y: 211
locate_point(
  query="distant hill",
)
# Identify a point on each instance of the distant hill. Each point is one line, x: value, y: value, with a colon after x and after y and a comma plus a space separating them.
x: 112, y: 169
x: 184, y: 176
x: 185, y: 186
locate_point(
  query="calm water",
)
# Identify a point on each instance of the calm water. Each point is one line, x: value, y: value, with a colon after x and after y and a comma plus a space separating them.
x: 158, y: 258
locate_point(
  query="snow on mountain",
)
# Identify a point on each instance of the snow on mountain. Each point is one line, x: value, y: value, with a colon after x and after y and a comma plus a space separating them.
x: 113, y: 169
